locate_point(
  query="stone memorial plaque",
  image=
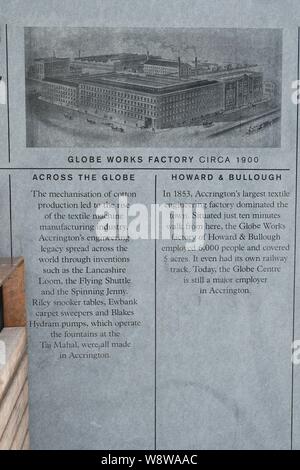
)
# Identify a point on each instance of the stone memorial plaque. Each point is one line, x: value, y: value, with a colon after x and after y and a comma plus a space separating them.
x: 149, y: 178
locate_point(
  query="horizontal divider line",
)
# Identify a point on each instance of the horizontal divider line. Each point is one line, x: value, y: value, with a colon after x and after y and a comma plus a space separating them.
x: 145, y: 169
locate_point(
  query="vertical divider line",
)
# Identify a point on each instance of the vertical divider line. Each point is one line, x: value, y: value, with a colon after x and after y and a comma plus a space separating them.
x: 7, y: 94
x: 155, y: 317
x: 10, y: 220
x: 295, y: 248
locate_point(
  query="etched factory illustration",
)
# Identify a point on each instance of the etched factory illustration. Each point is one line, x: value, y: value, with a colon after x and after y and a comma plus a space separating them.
x: 75, y: 97
x: 154, y: 92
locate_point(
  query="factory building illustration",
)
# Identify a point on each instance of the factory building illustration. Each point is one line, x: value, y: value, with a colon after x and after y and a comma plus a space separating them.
x: 134, y: 91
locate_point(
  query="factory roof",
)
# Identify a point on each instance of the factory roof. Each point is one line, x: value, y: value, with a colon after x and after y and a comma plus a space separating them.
x: 61, y: 81
x: 237, y: 75
x: 112, y: 57
x: 50, y: 59
x: 153, y: 85
x: 162, y: 62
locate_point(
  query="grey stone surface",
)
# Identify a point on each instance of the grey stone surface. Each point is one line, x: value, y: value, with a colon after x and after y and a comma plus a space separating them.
x: 224, y: 373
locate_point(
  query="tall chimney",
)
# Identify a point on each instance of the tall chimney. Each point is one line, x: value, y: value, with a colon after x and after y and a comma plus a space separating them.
x: 53, y: 53
x: 148, y: 55
x: 79, y: 53
x: 179, y: 67
x: 196, y: 63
